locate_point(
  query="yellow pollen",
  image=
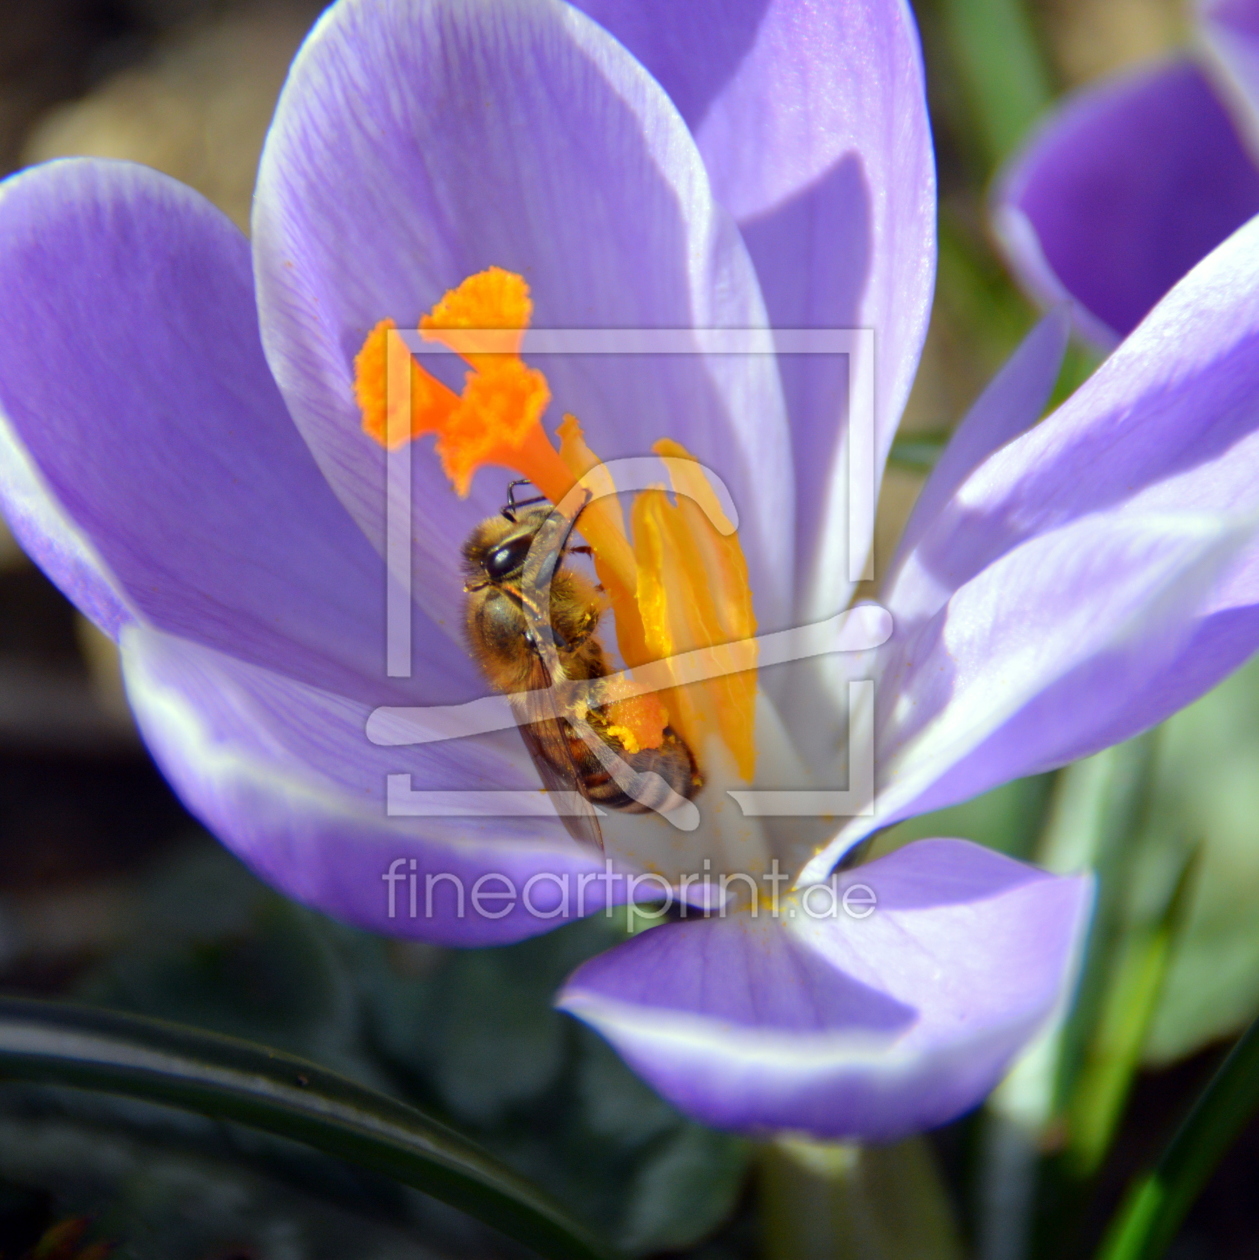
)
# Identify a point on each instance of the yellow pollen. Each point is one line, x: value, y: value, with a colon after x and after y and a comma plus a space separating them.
x: 675, y: 583
x: 693, y: 595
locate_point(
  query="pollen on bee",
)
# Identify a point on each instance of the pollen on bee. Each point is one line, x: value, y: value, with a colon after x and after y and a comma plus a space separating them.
x: 674, y: 583
x: 638, y: 721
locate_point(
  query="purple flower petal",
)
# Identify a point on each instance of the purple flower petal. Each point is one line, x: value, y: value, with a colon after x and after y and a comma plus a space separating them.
x: 1012, y: 402
x: 1240, y: 17
x: 1229, y: 35
x: 419, y: 142
x: 846, y: 1027
x: 812, y: 122
x: 52, y: 540
x: 1098, y: 572
x: 285, y: 776
x: 1166, y: 424
x: 133, y: 383
x: 1122, y: 192
x: 1045, y: 648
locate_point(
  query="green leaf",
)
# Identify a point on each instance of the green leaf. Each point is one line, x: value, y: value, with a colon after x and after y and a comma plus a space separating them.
x: 1096, y: 808
x: 477, y: 1037
x: 1006, y: 819
x: 613, y: 1103
x: 1003, y: 73
x: 1113, y: 1053
x: 1155, y: 1205
x: 161, y: 1193
x: 477, y: 1031
x: 1099, y: 813
x: 918, y: 451
x: 468, y: 1036
x: 263, y: 1088
x: 1206, y: 793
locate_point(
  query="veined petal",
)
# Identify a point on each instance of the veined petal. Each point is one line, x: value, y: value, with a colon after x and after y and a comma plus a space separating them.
x: 53, y: 540
x: 1012, y: 402
x: 1166, y: 424
x: 284, y: 775
x: 140, y: 413
x: 1091, y: 514
x: 812, y: 122
x: 515, y: 134
x: 1121, y: 192
x: 1038, y: 654
x: 868, y: 1026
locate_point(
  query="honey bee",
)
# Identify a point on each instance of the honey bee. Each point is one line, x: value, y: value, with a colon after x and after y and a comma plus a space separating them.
x: 514, y: 569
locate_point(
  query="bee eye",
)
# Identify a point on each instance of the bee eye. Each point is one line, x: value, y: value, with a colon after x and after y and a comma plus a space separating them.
x: 505, y: 560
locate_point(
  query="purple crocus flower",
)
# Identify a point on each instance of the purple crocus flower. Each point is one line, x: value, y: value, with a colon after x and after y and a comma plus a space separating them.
x: 184, y: 454
x: 1131, y: 181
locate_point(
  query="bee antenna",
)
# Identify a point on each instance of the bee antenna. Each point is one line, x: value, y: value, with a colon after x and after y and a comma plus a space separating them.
x: 509, y: 510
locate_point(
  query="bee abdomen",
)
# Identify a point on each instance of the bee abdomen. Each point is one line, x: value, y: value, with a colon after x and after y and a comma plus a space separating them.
x: 671, y: 767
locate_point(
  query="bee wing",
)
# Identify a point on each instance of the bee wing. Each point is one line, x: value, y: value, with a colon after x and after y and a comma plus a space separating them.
x: 546, y: 737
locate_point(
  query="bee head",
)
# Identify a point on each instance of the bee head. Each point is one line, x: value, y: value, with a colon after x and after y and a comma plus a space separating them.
x: 498, y: 547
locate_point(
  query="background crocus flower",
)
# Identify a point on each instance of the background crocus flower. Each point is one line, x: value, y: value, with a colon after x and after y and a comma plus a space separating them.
x: 184, y: 453
x: 1131, y: 181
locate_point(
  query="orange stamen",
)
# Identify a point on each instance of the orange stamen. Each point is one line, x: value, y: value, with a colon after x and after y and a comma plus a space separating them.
x: 679, y: 586
x: 484, y: 318
x: 501, y: 406
x: 431, y: 403
x: 693, y: 595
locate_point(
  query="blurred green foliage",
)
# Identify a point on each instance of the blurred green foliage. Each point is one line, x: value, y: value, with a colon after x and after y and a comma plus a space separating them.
x: 470, y: 1036
x: 1206, y: 793
x: 1004, y: 78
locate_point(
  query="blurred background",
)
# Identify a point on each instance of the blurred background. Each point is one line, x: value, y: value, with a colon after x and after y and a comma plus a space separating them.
x: 111, y: 893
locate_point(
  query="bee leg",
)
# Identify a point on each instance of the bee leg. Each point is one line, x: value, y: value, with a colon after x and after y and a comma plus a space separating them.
x: 580, y: 551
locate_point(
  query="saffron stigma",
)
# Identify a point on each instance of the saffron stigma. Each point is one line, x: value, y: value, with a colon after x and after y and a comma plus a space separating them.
x: 674, y: 583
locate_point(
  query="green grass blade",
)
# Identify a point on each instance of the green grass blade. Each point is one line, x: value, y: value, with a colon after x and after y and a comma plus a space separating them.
x: 918, y: 452
x: 1000, y: 64
x: 59, y: 1044
x: 1155, y: 1204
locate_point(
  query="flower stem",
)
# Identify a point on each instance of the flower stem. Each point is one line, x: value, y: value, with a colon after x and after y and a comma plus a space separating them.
x: 840, y: 1201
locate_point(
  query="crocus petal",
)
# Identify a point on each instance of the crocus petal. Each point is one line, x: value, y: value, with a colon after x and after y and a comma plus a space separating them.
x: 843, y: 1026
x: 1102, y: 606
x: 1131, y: 507
x: 812, y: 122
x: 516, y: 134
x: 53, y: 540
x: 1121, y: 192
x: 285, y: 776
x: 1087, y: 614
x: 135, y: 394
x: 1012, y: 402
x: 1229, y: 36
x: 1166, y: 424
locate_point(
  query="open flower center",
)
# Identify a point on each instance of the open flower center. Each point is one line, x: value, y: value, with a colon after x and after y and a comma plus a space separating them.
x: 676, y: 583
